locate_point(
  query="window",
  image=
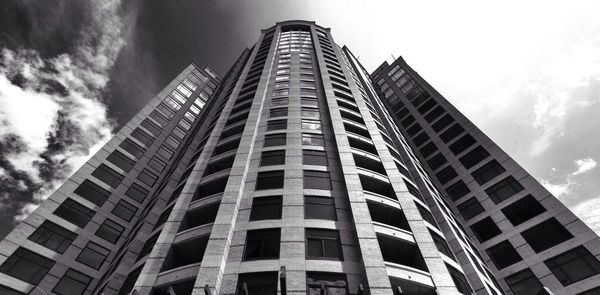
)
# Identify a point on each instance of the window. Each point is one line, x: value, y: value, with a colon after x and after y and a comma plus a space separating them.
x: 504, y: 189
x: 470, y: 208
x: 157, y: 164
x: 310, y: 157
x: 272, y: 158
x: 74, y: 212
x: 546, y: 235
x: 428, y: 149
x: 460, y: 281
x: 441, y: 244
x: 92, y: 192
x: 473, y: 157
x: 108, y: 175
x: 93, y: 255
x: 276, y: 125
x: 124, y: 210
x: 437, y: 161
x: 262, y: 244
x: 137, y: 192
x: 72, y: 282
x: 310, y: 113
x: 452, y: 132
x: 421, y: 138
x: 308, y: 124
x: 279, y: 101
x: 110, y: 231
x: 269, y: 180
x: 309, y: 101
x: 446, y: 174
x: 279, y: 112
x: 180, y: 133
x: 573, y: 266
x: 434, y: 114
x: 457, y: 190
x: 159, y: 118
x: 326, y: 283
x: 165, y: 152
x: 147, y: 177
x: 142, y: 136
x: 317, y: 180
x: 53, y: 237
x: 121, y: 161
x: 503, y: 254
x: 317, y: 207
x: 323, y: 243
x: 133, y: 148
x: 274, y: 139
x: 523, y: 210
x: 257, y: 283
x: 487, y: 172
x: 426, y: 215
x: 266, y: 208
x: 442, y: 123
x: 151, y: 126
x: 313, y: 139
x: 27, y: 266
x: 485, y: 229
x: 524, y: 283
x: 172, y: 142
x: 462, y: 144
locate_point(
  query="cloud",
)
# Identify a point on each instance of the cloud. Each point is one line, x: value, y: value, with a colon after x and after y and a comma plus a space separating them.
x: 52, y: 113
x: 584, y: 165
x: 588, y: 212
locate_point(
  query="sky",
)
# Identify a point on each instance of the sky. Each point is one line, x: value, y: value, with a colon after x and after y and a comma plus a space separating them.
x: 72, y: 72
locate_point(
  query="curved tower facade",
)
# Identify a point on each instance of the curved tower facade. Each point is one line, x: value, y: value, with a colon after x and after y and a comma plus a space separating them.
x: 296, y: 177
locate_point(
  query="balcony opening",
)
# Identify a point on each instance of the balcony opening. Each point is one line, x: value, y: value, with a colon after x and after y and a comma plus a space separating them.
x: 400, y: 287
x: 210, y: 188
x: 377, y: 186
x: 388, y: 215
x: 186, y: 253
x: 185, y: 287
x: 219, y: 165
x: 362, y: 145
x: 199, y: 217
x: 402, y: 253
x: 369, y: 164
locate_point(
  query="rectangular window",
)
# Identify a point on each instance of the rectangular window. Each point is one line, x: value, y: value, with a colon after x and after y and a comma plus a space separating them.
x: 488, y: 172
x: 266, y: 208
x: 151, y: 126
x: 110, y: 231
x: 473, y: 157
x: 462, y: 144
x: 323, y: 243
x: 437, y: 161
x: 452, y: 132
x: 317, y: 207
x: 159, y: 118
x: 523, y: 210
x: 262, y: 244
x: 503, y: 254
x: 53, y: 237
x: 428, y: 149
x: 546, y: 235
x: 309, y: 101
x: 178, y: 132
x: 279, y: 112
x: 470, y: 208
x: 142, y: 136
x: 92, y: 192
x: 442, y: 123
x: 165, y: 153
x: 93, y: 255
x: 108, y: 175
x: 457, y: 190
x: 308, y: 124
x: 136, y: 192
x: 157, y: 164
x: 185, y: 124
x: 73, y: 282
x: 504, y: 189
x: 310, y: 157
x: 27, y: 266
x: 276, y: 125
x: 124, y: 210
x: 166, y: 109
x: 272, y: 158
x: 446, y: 174
x: 133, y: 148
x: 147, y: 177
x: 269, y: 180
x: 172, y: 103
x: 190, y: 116
x: 573, y: 266
x: 317, y: 180
x: 257, y: 283
x: 310, y: 113
x: 313, y: 139
x: 279, y: 101
x: 524, y: 283
x: 326, y: 283
x: 274, y: 139
x: 420, y: 139
x: 172, y: 142
x: 120, y: 160
x: 74, y: 212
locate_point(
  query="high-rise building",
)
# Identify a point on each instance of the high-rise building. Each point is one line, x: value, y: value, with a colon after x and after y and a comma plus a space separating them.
x: 299, y: 172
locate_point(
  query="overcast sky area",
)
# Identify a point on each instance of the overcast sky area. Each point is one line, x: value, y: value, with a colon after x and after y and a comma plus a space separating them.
x: 72, y: 72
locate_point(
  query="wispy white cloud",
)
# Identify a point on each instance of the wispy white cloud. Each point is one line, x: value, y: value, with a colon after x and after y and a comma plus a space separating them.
x: 584, y: 165
x: 588, y: 212
x: 52, y: 114
x: 566, y: 184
